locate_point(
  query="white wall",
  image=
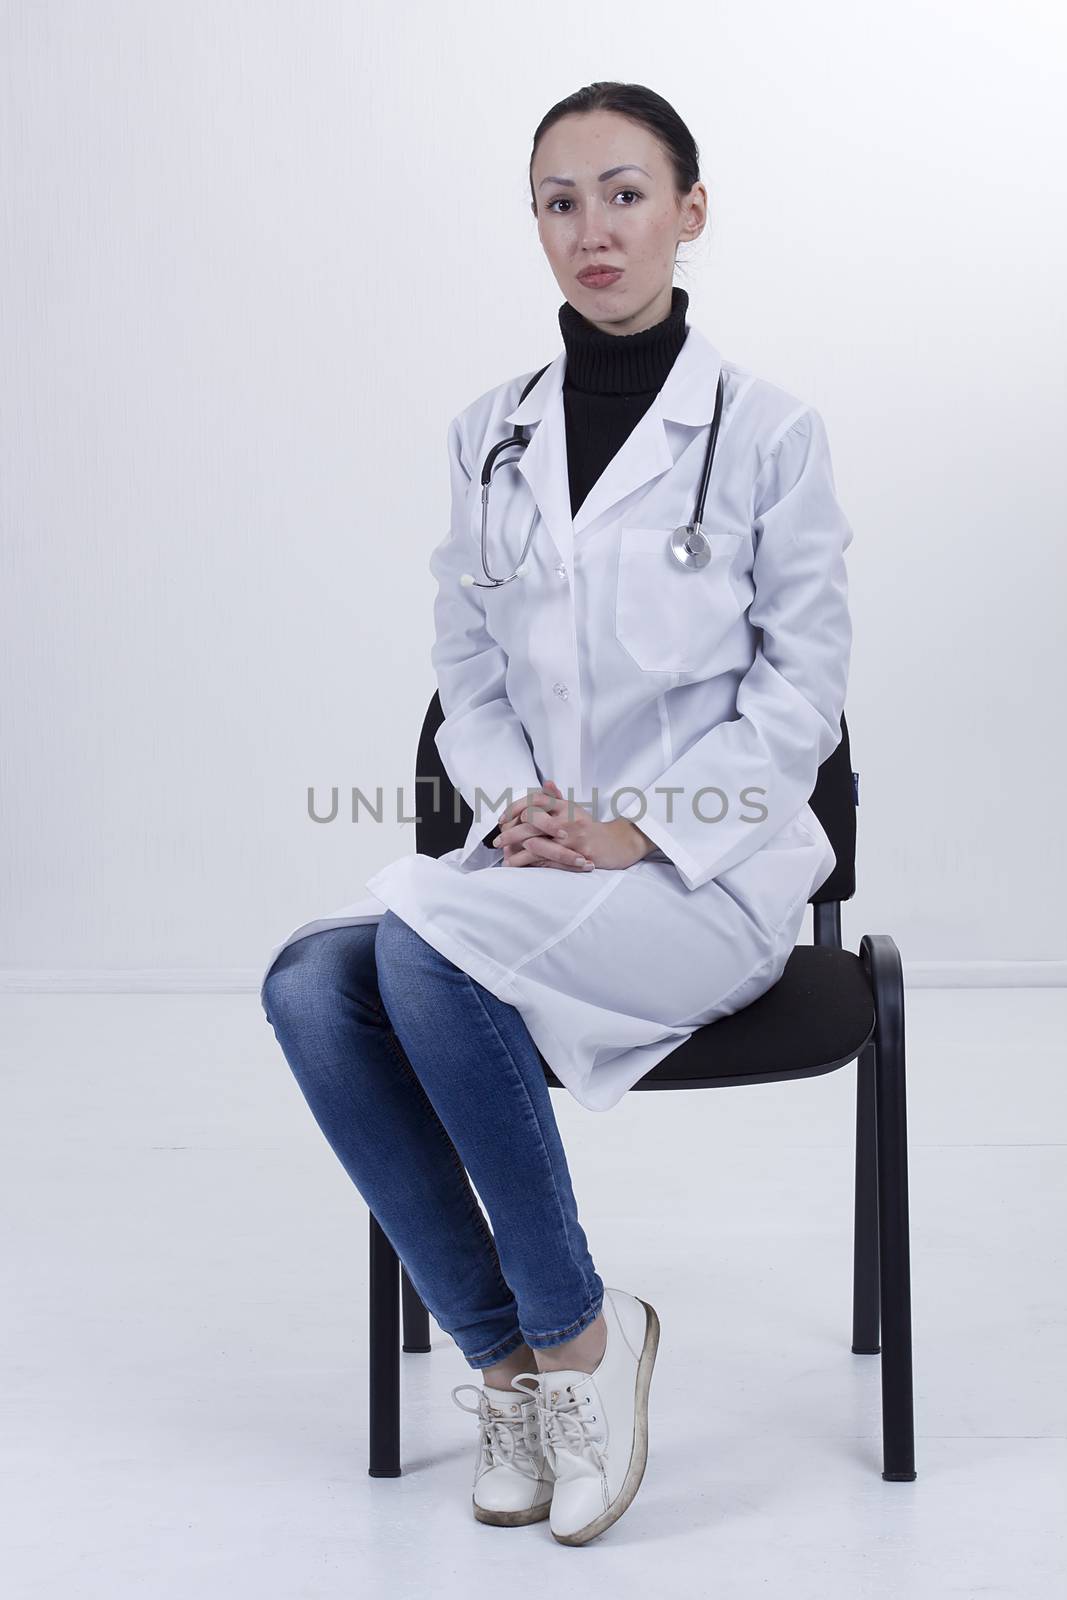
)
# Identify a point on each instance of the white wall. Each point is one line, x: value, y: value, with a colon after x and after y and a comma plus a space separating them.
x: 254, y: 256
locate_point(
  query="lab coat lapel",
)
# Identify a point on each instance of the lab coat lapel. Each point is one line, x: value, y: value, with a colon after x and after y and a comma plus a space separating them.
x: 544, y: 461
x: 687, y: 397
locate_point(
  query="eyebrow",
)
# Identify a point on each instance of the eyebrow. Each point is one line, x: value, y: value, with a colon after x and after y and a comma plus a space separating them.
x: 629, y: 167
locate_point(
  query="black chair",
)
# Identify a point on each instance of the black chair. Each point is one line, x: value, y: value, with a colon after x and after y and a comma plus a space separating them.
x: 829, y: 1008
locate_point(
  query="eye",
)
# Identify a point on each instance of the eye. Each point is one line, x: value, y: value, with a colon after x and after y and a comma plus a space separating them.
x: 565, y: 200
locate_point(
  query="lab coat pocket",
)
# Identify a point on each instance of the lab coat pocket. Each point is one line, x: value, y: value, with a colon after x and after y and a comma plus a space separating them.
x: 671, y: 618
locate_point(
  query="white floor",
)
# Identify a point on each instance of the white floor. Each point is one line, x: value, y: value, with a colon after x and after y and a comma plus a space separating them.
x: 184, y: 1362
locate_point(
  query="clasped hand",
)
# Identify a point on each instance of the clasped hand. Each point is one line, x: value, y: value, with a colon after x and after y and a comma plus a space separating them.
x: 545, y: 830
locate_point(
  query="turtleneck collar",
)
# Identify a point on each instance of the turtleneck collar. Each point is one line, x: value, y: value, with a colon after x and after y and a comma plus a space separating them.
x: 622, y: 363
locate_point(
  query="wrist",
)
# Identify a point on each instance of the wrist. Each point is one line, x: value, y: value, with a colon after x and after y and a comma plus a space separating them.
x: 641, y: 842
x: 647, y: 844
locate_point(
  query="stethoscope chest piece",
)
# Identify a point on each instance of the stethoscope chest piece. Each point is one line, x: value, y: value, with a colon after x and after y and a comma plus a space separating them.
x: 690, y: 547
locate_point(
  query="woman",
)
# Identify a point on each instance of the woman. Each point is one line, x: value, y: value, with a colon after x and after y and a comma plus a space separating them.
x: 609, y: 679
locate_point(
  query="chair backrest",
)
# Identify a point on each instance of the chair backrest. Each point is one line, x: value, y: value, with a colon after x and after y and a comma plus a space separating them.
x: 444, y: 826
x: 834, y: 803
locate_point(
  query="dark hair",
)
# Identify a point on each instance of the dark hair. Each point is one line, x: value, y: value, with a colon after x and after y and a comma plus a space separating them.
x: 642, y: 105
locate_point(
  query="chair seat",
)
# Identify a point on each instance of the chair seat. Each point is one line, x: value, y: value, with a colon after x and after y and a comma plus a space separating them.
x: 818, y: 1016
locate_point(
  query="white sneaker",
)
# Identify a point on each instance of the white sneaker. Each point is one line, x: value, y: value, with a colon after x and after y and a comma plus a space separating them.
x: 512, y: 1480
x: 594, y: 1425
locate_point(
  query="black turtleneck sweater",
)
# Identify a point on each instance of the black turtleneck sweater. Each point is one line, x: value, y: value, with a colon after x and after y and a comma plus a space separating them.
x: 609, y: 382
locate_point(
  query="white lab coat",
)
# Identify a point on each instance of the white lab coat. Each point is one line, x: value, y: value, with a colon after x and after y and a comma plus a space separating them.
x: 608, y: 665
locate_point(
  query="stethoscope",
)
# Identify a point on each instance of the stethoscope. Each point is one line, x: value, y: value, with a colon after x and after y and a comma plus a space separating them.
x: 688, y: 544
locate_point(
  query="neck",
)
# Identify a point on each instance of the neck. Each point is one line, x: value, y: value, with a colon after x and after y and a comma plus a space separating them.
x: 622, y: 363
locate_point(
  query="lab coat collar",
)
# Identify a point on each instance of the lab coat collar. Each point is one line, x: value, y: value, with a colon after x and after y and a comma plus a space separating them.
x: 687, y: 397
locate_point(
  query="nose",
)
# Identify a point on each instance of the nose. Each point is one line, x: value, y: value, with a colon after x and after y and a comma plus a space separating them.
x: 594, y: 237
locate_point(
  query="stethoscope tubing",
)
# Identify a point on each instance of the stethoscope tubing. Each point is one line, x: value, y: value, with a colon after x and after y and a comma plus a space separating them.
x: 688, y: 543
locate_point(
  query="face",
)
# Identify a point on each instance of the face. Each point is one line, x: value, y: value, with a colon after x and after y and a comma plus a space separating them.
x: 605, y: 197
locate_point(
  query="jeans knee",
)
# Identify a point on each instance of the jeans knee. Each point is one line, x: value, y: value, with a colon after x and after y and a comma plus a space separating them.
x: 394, y: 942
x: 404, y: 959
x: 310, y: 973
x: 285, y: 990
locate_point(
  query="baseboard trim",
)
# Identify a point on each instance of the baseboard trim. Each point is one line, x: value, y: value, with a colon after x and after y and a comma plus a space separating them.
x: 246, y: 980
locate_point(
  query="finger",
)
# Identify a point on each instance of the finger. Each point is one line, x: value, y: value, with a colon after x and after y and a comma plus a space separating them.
x: 521, y: 858
x: 540, y: 823
x: 557, y: 854
x: 525, y: 856
x: 564, y: 806
x: 518, y: 805
x: 543, y: 810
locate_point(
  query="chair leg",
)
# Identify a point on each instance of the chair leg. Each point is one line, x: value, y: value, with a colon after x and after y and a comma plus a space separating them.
x: 416, y: 1317
x: 882, y: 960
x: 384, y: 1356
x: 826, y: 921
x: 865, y: 1309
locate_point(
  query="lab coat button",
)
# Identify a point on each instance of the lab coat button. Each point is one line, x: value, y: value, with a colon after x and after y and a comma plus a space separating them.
x: 561, y: 569
x: 561, y: 689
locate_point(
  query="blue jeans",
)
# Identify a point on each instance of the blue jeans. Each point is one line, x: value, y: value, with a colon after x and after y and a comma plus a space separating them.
x: 417, y: 1076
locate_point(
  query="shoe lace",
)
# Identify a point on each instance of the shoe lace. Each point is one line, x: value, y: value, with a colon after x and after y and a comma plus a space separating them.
x: 509, y: 1441
x: 563, y: 1422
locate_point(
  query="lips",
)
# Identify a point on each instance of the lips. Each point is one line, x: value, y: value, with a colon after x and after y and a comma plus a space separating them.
x: 596, y: 275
